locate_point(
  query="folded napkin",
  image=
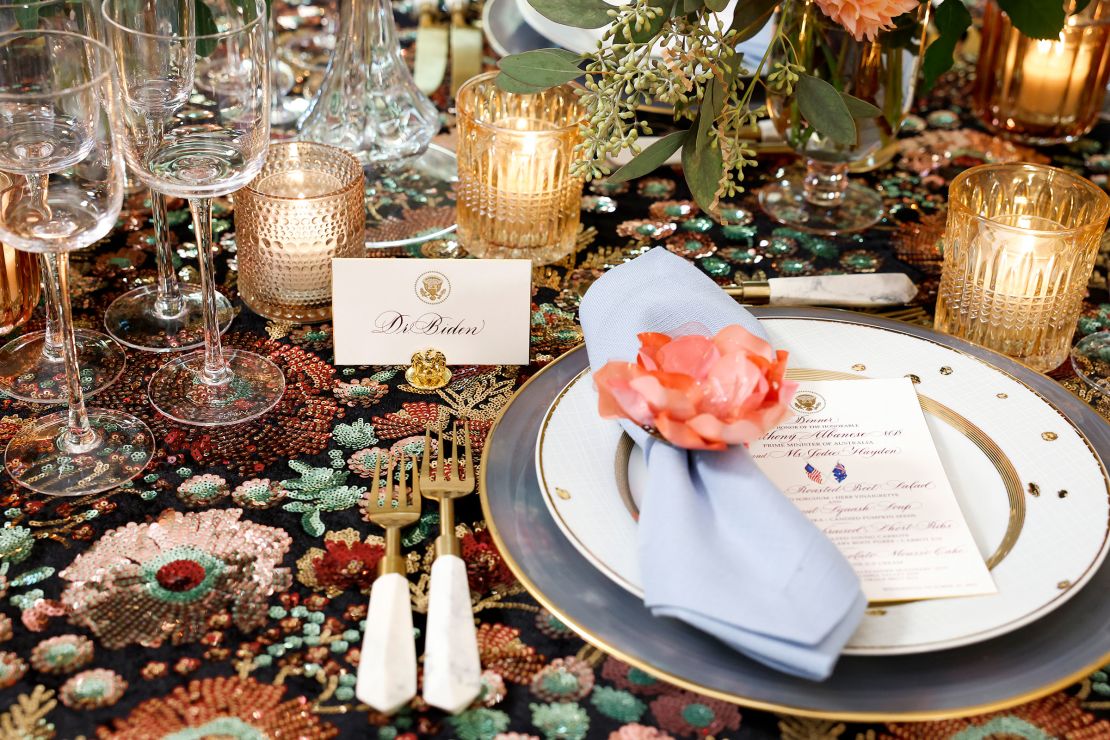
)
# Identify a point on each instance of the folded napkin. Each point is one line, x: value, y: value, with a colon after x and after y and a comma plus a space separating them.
x: 720, y: 547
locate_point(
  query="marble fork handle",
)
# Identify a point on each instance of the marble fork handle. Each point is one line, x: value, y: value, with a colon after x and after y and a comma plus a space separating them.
x: 387, y: 666
x: 452, y: 670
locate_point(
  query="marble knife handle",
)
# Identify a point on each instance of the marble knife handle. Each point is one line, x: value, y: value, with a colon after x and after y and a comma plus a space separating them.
x: 876, y: 289
x: 387, y: 666
x: 452, y: 670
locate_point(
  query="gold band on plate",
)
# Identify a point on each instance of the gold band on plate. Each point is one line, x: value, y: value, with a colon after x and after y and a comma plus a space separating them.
x: 600, y: 643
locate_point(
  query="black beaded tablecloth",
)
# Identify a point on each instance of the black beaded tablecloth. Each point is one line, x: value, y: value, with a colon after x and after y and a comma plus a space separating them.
x: 243, y: 617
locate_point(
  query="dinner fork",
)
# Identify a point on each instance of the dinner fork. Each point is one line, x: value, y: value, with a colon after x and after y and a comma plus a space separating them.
x: 452, y: 669
x: 387, y: 666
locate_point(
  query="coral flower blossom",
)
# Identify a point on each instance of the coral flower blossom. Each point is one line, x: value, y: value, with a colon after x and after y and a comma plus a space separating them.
x: 866, y: 17
x: 700, y: 393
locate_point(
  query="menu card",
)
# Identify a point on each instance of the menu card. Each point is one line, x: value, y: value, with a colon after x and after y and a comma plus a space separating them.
x: 858, y: 459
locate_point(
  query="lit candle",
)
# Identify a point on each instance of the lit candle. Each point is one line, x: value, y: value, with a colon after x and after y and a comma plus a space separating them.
x: 1021, y: 253
x: 1054, y: 77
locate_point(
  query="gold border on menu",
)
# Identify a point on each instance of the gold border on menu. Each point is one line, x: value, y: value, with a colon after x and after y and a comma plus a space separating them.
x: 911, y: 716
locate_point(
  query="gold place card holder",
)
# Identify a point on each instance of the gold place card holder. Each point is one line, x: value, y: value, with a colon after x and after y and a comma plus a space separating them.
x: 1018, y: 252
x: 516, y: 194
x: 304, y: 208
x: 1043, y: 91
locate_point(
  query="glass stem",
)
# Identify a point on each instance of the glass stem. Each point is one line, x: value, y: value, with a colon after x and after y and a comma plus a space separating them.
x: 79, y: 436
x: 52, y: 343
x: 169, y: 302
x: 825, y: 183
x: 216, y: 371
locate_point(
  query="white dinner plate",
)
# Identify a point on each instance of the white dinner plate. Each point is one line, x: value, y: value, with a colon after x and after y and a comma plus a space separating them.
x: 585, y: 40
x: 1034, y: 493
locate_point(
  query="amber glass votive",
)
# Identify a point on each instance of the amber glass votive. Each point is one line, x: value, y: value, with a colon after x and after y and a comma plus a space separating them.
x: 1043, y: 91
x: 304, y: 208
x: 1018, y: 251
x: 516, y: 195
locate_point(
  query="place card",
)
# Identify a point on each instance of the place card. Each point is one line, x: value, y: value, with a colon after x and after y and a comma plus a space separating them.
x: 857, y: 458
x: 476, y: 312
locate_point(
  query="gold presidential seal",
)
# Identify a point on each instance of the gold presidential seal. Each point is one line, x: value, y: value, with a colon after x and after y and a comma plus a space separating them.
x: 433, y: 287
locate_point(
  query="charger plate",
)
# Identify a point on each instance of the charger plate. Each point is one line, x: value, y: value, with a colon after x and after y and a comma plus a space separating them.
x: 1041, y: 549
x: 1062, y: 646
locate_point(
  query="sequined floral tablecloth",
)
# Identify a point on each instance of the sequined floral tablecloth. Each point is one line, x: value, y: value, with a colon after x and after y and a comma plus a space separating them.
x: 223, y: 592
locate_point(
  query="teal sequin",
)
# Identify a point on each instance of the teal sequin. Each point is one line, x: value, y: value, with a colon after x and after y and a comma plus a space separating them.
x: 697, y: 715
x: 640, y: 678
x: 15, y: 544
x: 560, y: 682
x: 212, y: 566
x: 716, y: 266
x: 223, y: 727
x: 561, y: 721
x: 355, y: 436
x: 479, y: 724
x: 616, y: 704
x: 1003, y: 727
x: 698, y: 225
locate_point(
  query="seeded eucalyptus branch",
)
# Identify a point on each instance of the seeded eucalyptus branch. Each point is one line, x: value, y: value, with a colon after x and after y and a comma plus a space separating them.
x: 697, y: 70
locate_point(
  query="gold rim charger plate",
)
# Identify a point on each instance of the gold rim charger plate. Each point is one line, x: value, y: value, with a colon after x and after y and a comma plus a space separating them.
x: 1045, y: 538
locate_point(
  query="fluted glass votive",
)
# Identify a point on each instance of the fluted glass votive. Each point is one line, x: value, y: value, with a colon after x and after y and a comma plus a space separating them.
x: 304, y: 208
x: 516, y: 195
x: 1019, y: 248
x: 1043, y: 91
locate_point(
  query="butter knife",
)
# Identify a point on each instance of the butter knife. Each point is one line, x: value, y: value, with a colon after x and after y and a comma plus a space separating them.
x: 858, y: 291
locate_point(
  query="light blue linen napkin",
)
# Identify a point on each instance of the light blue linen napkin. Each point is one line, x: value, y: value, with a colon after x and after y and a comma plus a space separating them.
x: 720, y: 547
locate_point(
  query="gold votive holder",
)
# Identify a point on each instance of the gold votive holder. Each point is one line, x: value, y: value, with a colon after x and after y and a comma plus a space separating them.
x: 1019, y: 248
x: 1043, y: 91
x: 304, y: 208
x: 516, y: 195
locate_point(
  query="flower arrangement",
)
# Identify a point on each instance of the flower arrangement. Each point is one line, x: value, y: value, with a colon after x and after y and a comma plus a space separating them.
x: 698, y: 392
x: 710, y: 85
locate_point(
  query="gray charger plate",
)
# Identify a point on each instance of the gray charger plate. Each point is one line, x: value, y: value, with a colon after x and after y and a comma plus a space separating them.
x: 1046, y: 656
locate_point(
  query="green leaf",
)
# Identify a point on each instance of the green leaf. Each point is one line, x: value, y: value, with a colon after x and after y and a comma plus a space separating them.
x: 691, y: 6
x: 702, y: 162
x: 312, y: 523
x: 860, y: 108
x: 542, y: 67
x: 27, y: 16
x: 825, y: 110
x: 1037, y: 19
x: 341, y: 498
x: 750, y: 17
x: 716, y: 5
x: 509, y: 84
x: 575, y: 13
x: 298, y: 507
x: 651, y: 158
x: 205, y: 26
x: 952, y: 21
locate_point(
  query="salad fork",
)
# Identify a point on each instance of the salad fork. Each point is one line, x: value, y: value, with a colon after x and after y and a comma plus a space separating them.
x: 452, y: 669
x: 387, y: 668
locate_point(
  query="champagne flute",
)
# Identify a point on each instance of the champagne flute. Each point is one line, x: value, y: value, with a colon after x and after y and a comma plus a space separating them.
x: 31, y: 365
x: 195, y: 107
x: 66, y: 188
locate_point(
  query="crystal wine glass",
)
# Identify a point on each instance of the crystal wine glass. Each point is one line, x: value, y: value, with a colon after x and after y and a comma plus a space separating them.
x: 58, y: 149
x: 195, y: 88
x: 31, y: 365
x: 881, y: 71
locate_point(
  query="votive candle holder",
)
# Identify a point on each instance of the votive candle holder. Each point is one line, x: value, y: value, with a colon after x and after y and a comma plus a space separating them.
x: 1043, y: 91
x: 1019, y: 248
x: 302, y: 209
x: 516, y: 195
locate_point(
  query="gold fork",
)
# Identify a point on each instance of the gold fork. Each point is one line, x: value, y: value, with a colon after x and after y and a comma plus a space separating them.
x: 452, y: 669
x: 387, y: 668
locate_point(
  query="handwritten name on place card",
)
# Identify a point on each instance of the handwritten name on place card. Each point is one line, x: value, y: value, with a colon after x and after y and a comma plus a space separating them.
x: 476, y: 312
